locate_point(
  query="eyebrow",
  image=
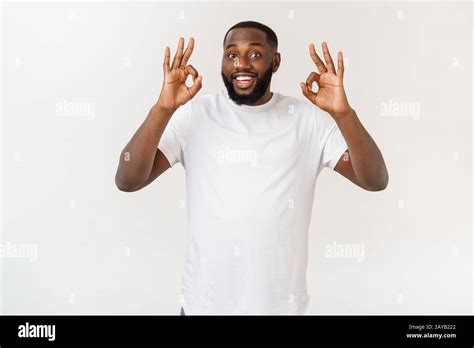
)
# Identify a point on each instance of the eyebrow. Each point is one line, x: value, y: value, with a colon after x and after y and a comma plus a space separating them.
x: 250, y: 44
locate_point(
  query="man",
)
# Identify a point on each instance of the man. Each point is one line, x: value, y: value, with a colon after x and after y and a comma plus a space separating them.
x: 251, y: 158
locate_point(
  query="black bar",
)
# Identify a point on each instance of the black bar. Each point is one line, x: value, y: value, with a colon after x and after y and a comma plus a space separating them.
x: 222, y: 330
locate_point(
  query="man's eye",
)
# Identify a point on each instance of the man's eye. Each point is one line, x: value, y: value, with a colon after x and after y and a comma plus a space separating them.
x: 255, y: 55
x: 231, y: 55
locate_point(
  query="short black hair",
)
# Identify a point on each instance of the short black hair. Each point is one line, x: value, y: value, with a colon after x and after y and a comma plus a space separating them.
x: 271, y: 36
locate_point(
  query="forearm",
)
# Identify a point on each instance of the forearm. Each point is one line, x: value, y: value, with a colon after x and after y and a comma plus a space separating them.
x: 136, y: 159
x: 367, y: 160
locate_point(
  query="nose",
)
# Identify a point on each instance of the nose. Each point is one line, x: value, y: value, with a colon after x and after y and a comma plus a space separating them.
x: 242, y: 63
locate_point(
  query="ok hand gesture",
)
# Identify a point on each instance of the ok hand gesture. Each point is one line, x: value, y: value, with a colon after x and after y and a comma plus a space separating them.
x: 330, y: 96
x: 175, y: 92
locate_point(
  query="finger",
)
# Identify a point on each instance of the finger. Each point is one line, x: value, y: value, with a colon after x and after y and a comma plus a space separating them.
x: 312, y: 77
x: 340, y: 65
x: 191, y: 71
x: 166, y: 62
x: 195, y: 87
x: 319, y: 63
x: 179, y: 54
x: 188, y: 52
x: 327, y: 58
x: 304, y: 89
x: 307, y: 92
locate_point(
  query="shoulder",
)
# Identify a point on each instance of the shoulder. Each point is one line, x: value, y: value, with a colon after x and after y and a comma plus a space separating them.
x: 307, y: 109
x: 317, y: 122
x: 301, y: 108
x: 210, y: 99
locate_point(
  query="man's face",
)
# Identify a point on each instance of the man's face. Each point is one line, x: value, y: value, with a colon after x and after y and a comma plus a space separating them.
x: 248, y: 63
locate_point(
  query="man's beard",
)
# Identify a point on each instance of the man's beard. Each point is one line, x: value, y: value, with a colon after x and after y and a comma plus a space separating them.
x: 261, y: 86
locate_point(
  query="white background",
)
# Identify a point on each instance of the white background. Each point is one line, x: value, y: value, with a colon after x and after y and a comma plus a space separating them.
x: 102, y: 251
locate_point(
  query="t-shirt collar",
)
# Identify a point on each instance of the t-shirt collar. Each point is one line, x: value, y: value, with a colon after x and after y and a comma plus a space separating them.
x: 252, y: 108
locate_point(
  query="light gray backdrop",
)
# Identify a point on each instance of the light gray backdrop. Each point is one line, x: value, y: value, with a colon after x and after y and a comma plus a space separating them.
x: 79, y: 78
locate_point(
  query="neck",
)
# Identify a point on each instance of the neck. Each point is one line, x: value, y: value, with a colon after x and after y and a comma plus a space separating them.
x: 265, y: 98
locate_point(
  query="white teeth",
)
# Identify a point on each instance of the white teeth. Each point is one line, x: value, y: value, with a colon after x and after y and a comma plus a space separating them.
x: 243, y: 78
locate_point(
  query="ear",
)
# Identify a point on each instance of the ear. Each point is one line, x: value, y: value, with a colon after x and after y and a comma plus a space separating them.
x: 276, y: 61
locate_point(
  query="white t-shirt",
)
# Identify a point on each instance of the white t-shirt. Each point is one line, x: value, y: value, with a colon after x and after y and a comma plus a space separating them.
x: 250, y: 180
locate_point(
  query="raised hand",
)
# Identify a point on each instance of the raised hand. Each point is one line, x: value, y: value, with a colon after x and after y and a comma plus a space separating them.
x: 175, y: 92
x: 330, y: 96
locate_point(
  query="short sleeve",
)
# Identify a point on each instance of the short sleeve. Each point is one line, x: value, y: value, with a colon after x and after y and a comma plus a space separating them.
x: 333, y: 142
x: 173, y: 139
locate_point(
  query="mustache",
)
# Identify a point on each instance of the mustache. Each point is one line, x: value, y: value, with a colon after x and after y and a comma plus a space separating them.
x: 261, y: 86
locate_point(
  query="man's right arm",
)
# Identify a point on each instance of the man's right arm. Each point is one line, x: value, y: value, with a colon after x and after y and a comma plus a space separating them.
x: 141, y: 161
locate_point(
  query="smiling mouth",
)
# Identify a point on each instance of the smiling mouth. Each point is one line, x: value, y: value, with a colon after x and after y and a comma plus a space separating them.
x: 244, y: 81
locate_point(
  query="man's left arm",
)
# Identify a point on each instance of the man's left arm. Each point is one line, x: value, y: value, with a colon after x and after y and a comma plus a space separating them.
x: 364, y: 164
